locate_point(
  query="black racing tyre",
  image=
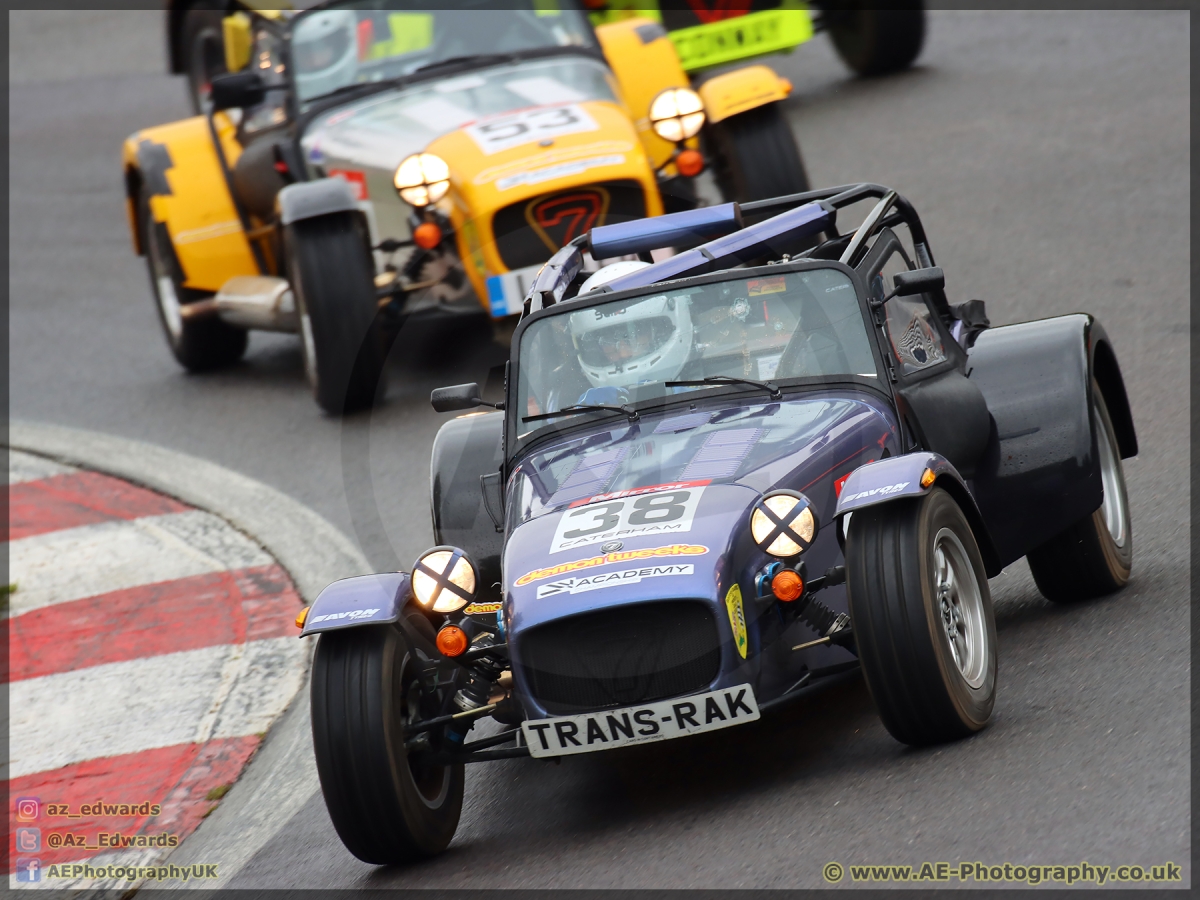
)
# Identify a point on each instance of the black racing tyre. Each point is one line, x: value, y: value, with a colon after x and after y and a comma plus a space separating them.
x: 332, y: 274
x: 386, y: 807
x: 922, y: 618
x: 875, y: 41
x: 200, y: 345
x: 1094, y: 556
x: 755, y: 156
x: 202, y: 48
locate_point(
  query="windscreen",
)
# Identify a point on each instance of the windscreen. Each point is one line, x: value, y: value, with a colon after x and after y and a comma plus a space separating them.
x: 764, y: 328
x: 344, y: 44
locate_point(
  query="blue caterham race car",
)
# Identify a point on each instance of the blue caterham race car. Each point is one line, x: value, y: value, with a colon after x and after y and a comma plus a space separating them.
x: 778, y: 454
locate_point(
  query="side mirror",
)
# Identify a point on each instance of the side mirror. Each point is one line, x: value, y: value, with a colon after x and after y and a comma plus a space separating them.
x: 918, y: 281
x: 237, y: 91
x: 458, y: 396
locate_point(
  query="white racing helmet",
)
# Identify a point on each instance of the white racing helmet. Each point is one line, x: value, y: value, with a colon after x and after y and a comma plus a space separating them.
x: 325, y: 51
x: 623, y: 345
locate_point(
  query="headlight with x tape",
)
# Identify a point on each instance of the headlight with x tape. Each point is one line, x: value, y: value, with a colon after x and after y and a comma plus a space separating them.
x: 444, y: 580
x: 783, y: 523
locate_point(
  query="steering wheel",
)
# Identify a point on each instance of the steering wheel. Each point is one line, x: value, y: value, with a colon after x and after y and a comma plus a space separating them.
x: 820, y: 342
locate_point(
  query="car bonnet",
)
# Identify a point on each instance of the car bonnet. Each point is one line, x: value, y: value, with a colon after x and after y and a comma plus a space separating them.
x: 580, y: 544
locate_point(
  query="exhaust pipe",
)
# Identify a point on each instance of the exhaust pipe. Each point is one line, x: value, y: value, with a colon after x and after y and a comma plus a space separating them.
x: 250, y: 301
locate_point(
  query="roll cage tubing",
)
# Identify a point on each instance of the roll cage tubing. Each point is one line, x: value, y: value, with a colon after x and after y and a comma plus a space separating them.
x: 561, y: 271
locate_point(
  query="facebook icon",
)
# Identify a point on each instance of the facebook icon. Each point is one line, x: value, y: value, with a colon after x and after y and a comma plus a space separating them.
x: 29, y: 869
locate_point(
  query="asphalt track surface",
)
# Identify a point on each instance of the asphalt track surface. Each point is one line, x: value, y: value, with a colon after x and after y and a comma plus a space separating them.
x: 1048, y: 154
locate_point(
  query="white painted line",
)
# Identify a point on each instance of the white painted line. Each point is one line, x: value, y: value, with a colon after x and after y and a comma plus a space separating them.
x: 308, y: 547
x: 24, y: 467
x: 74, y: 563
x: 282, y: 776
x: 157, y: 701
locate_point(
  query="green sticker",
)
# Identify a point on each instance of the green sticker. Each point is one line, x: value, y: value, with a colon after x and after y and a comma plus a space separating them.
x: 410, y: 32
x: 753, y: 34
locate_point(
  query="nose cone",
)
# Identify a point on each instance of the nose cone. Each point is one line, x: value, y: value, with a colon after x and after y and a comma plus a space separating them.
x: 676, y: 545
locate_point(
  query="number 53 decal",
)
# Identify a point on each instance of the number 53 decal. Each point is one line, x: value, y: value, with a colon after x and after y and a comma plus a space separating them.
x: 494, y: 135
x: 665, y: 512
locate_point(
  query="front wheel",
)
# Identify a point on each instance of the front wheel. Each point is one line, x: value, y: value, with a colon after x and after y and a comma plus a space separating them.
x: 344, y: 344
x: 755, y: 156
x: 922, y: 618
x: 875, y: 41
x: 386, y: 806
x: 1095, y: 555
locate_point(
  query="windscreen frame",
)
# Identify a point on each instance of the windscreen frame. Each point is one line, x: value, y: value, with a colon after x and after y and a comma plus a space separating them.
x: 517, y: 446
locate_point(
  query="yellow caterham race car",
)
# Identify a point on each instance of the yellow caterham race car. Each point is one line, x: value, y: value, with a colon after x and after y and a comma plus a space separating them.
x: 364, y: 161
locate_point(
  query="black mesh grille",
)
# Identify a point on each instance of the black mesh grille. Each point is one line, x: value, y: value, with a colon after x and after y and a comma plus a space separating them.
x: 519, y: 243
x: 621, y: 656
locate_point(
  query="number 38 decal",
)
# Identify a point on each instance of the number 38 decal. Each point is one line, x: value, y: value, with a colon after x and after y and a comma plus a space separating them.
x: 494, y: 135
x: 663, y: 512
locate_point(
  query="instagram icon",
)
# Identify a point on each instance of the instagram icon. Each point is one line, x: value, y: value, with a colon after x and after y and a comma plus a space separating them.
x: 28, y: 808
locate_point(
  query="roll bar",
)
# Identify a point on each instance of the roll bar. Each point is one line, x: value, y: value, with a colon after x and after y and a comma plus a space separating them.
x: 795, y: 216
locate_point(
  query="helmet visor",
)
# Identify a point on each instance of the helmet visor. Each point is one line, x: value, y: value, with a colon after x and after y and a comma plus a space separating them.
x: 320, y: 53
x: 624, y: 342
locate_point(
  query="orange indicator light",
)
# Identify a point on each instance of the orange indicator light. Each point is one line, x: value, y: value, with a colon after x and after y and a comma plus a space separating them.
x: 452, y: 641
x: 787, y: 586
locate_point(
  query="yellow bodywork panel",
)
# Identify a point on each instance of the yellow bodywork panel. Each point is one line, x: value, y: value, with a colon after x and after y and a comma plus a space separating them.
x: 645, y: 63
x: 741, y: 90
x: 482, y: 184
x: 189, y: 193
x: 238, y: 41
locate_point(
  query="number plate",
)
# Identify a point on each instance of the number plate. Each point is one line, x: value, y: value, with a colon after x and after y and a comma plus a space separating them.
x: 667, y: 512
x: 660, y: 721
x: 506, y: 293
x: 504, y: 132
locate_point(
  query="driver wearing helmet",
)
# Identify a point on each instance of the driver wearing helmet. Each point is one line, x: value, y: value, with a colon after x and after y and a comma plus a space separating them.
x: 325, y: 51
x: 621, y: 346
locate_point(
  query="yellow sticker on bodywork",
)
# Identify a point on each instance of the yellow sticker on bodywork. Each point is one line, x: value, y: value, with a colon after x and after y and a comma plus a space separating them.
x: 737, y: 618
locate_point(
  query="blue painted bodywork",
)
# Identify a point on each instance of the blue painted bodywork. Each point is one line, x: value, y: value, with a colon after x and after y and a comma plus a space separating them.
x: 362, y: 600
x: 887, y: 479
x: 805, y: 444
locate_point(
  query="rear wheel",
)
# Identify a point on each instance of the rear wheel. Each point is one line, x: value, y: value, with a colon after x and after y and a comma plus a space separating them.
x: 344, y: 345
x: 922, y: 618
x: 875, y: 41
x: 1094, y: 556
x: 386, y: 806
x: 203, y: 46
x: 755, y: 156
x: 199, y: 345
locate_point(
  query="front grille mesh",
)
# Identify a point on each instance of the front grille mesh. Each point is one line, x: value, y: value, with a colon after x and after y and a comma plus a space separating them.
x: 621, y: 656
x: 520, y: 246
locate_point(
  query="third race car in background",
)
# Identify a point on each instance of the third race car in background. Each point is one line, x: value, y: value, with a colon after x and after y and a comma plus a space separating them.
x: 706, y: 34
x: 364, y: 161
